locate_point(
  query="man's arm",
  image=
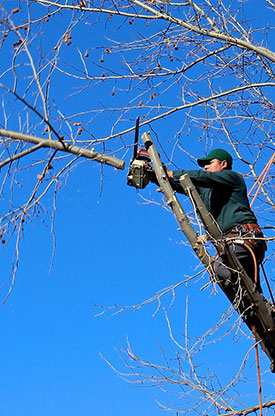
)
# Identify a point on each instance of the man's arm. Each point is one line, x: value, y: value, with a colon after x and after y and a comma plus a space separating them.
x: 204, y: 179
x: 175, y: 183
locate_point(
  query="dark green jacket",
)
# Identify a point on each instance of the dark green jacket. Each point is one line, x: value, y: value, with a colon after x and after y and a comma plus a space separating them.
x: 224, y: 194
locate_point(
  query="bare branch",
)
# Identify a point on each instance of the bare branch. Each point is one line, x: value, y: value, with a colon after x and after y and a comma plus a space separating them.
x: 64, y: 147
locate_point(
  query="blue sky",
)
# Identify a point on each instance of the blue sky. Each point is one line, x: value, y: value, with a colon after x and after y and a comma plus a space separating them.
x: 111, y: 248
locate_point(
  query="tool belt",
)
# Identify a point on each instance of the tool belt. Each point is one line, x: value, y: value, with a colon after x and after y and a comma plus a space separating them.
x: 248, y: 234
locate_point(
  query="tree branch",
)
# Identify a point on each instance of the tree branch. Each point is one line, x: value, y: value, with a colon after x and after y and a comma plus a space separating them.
x: 64, y: 147
x: 249, y: 410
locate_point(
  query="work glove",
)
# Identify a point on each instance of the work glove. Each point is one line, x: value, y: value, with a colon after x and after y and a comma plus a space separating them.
x: 152, y: 176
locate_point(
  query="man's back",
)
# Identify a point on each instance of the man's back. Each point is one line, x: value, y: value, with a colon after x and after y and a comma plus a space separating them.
x: 224, y: 194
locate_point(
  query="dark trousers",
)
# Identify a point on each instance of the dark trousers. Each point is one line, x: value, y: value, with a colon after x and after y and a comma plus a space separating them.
x: 245, y: 258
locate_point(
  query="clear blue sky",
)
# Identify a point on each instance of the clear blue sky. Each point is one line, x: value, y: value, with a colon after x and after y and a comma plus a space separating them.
x: 111, y: 249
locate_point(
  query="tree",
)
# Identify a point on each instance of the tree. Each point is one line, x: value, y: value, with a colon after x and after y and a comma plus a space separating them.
x: 74, y: 76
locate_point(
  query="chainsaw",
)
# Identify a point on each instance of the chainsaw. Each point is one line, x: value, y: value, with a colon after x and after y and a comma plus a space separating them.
x: 140, y: 168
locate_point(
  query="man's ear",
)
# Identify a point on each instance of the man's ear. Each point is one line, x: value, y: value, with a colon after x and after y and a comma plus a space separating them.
x: 224, y: 164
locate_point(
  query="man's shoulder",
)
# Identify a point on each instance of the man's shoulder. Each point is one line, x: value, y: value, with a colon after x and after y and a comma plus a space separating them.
x: 231, y: 174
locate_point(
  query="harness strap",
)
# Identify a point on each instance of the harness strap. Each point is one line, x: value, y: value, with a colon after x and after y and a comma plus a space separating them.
x: 249, y: 232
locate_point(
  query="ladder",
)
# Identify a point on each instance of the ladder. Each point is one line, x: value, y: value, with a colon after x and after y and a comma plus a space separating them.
x: 246, y: 300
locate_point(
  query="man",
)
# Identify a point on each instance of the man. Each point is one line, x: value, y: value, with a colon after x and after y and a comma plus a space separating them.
x: 224, y: 193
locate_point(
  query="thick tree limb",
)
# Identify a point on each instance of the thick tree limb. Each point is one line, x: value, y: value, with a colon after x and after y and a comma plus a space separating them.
x: 208, y: 32
x: 62, y: 146
x: 156, y: 14
x: 248, y: 410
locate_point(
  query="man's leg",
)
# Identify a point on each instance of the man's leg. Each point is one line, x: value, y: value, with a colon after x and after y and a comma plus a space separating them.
x: 246, y: 259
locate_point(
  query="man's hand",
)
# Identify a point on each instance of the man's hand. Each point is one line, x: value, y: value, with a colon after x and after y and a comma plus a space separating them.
x: 152, y: 176
x: 169, y: 174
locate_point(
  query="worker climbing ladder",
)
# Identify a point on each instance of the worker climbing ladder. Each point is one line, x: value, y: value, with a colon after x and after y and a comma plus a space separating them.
x: 241, y: 292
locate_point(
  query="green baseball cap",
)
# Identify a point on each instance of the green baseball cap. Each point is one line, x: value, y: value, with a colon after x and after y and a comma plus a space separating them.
x: 220, y: 154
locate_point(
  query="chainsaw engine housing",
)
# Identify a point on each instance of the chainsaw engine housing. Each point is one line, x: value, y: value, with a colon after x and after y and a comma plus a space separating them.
x: 138, y: 175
